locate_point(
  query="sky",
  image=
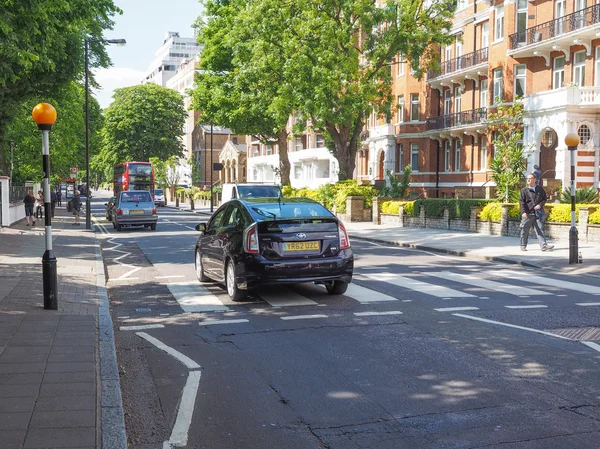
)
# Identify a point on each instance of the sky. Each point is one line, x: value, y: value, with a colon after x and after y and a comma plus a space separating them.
x: 143, y: 24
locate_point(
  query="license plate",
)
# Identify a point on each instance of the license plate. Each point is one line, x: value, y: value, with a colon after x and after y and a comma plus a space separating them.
x: 301, y: 246
x: 136, y: 212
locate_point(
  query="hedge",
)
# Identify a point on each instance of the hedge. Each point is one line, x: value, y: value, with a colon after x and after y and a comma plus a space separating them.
x: 457, y: 207
x: 393, y: 207
x: 334, y: 195
x: 557, y: 213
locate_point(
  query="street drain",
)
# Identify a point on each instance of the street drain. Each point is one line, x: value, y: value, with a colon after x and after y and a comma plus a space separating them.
x: 578, y: 333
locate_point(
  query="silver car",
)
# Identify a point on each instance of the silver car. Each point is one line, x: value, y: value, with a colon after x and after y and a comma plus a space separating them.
x: 134, y: 208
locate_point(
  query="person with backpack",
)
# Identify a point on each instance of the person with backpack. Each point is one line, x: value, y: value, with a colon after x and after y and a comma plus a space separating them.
x: 29, y: 201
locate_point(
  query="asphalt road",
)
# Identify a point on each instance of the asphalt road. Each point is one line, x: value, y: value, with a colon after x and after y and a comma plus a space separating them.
x: 423, y: 351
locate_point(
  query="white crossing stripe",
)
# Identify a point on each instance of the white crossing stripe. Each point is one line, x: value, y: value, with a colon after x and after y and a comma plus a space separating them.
x: 587, y: 304
x: 455, y: 309
x: 584, y: 288
x: 538, y: 306
x: 365, y: 295
x: 193, y: 297
x: 302, y: 317
x: 484, y: 283
x: 391, y: 312
x: 211, y: 322
x: 284, y: 297
x: 141, y: 327
x: 484, y: 320
x: 438, y: 291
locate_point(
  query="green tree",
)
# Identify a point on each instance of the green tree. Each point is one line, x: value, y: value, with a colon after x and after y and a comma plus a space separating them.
x: 142, y: 122
x: 41, y: 51
x: 242, y: 82
x: 397, y: 188
x: 166, y: 174
x: 510, y: 157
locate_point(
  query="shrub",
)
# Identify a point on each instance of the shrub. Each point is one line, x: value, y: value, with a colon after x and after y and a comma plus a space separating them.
x: 585, y: 195
x: 457, y: 208
x: 393, y: 207
x: 493, y: 212
x: 335, y: 194
x: 594, y: 217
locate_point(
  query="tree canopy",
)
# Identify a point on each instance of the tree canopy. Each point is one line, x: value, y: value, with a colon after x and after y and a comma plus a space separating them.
x: 333, y: 56
x: 143, y: 121
x: 41, y: 51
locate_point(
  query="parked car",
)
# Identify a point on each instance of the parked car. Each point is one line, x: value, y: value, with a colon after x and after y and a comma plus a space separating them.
x: 247, y: 243
x: 159, y: 197
x: 134, y: 208
x: 243, y: 191
x: 109, y: 208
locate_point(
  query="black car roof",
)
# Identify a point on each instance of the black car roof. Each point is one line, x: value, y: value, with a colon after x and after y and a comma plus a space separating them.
x: 283, y: 200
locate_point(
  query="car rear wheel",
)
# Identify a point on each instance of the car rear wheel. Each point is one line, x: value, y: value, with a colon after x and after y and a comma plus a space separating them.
x: 153, y: 226
x: 336, y: 287
x: 199, y: 269
x: 118, y: 226
x: 232, y: 289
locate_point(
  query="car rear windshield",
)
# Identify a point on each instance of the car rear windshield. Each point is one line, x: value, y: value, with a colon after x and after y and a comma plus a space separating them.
x: 258, y: 191
x: 308, y: 225
x: 137, y: 197
x: 276, y: 211
x: 158, y: 191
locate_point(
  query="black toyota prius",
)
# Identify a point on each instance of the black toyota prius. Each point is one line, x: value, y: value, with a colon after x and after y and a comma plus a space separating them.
x: 252, y: 242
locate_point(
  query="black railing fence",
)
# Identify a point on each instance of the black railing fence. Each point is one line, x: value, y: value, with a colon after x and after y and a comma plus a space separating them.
x: 460, y: 63
x: 457, y: 119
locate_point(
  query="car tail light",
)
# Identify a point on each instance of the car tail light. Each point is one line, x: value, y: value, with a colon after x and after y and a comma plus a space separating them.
x: 154, y: 211
x: 119, y: 212
x: 251, y: 239
x: 344, y: 240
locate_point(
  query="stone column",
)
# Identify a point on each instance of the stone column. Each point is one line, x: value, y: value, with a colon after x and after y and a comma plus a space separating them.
x: 504, y: 219
x: 354, y: 208
x: 376, y: 211
x: 473, y: 219
x: 401, y: 215
x: 447, y: 217
x: 582, y: 225
x: 422, y: 220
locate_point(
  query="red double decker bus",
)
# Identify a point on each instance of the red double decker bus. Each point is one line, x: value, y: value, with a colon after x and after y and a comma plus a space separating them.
x: 134, y: 176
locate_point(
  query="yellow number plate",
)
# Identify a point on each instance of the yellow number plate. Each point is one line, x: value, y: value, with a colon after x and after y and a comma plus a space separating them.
x: 301, y: 246
x: 136, y: 212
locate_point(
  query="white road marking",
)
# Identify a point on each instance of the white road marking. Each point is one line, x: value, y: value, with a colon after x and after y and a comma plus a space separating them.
x: 126, y: 275
x: 538, y: 306
x: 484, y: 283
x: 484, y: 320
x: 193, y: 297
x: 438, y: 291
x: 123, y: 317
x: 365, y: 295
x: 164, y: 314
x: 122, y: 280
x: 179, y: 434
x: 566, y: 285
x: 592, y: 345
x: 141, y: 327
x: 391, y: 312
x: 211, y: 322
x: 171, y: 277
x: 284, y: 297
x: 587, y: 304
x: 455, y: 309
x: 302, y: 317
x: 189, y: 363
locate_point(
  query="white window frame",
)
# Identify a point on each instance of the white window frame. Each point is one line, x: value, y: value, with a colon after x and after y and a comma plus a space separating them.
x: 579, y: 68
x: 483, y: 94
x: 461, y: 4
x: 499, y: 24
x: 400, y: 65
x: 414, y: 107
x: 414, y: 157
x: 447, y: 101
x: 483, y: 153
x: 319, y: 140
x: 560, y: 10
x: 447, y: 156
x: 399, y: 158
x: 520, y: 72
x: 457, y: 99
x: 457, y: 155
x: 485, y: 34
x: 521, y: 13
x: 400, y: 108
x: 497, y: 87
x: 558, y: 72
x: 298, y: 144
x: 597, y: 67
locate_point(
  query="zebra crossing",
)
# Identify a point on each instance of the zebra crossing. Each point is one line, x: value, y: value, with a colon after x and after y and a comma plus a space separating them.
x: 516, y: 285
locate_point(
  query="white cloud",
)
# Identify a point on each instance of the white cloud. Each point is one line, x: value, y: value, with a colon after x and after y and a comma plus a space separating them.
x: 114, y: 78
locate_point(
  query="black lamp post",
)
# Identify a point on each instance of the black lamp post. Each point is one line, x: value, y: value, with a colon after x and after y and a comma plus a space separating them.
x: 44, y: 115
x: 211, y: 169
x: 88, y: 216
x: 572, y: 141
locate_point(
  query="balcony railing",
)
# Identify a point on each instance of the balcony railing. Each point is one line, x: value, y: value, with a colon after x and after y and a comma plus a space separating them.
x: 554, y: 28
x: 460, y: 63
x: 457, y: 119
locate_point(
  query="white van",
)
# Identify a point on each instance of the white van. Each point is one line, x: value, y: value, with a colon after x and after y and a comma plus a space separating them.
x: 246, y: 191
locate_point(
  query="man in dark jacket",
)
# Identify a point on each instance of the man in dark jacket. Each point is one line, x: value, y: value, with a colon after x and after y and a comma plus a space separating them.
x: 29, y: 201
x: 532, y: 201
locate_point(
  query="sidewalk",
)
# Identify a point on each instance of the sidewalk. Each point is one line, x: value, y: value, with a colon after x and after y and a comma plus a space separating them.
x: 59, y: 385
x: 471, y: 245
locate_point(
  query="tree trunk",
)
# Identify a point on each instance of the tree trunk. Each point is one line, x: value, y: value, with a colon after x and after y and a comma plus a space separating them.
x: 284, y: 160
x: 346, y: 140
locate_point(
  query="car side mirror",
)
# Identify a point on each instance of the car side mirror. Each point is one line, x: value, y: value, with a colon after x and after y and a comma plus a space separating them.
x: 201, y: 227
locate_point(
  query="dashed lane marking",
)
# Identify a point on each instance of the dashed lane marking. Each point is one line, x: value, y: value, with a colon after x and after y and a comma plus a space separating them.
x: 455, y: 309
x: 141, y: 327
x: 484, y: 320
x: 211, y: 322
x: 302, y: 317
x: 587, y: 304
x: 391, y: 312
x: 537, y: 306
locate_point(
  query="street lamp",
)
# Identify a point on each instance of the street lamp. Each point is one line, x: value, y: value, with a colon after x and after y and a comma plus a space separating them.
x: 44, y: 115
x: 88, y: 216
x: 572, y: 141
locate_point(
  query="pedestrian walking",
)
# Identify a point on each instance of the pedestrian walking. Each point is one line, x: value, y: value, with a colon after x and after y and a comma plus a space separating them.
x: 53, y: 200
x: 29, y: 201
x: 532, y: 201
x: 538, y: 174
x: 76, y: 205
x: 39, y: 204
x: 59, y: 197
